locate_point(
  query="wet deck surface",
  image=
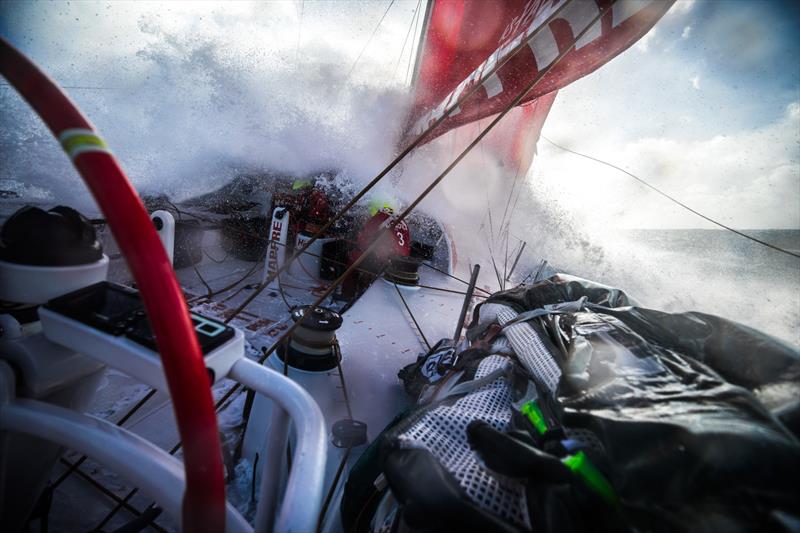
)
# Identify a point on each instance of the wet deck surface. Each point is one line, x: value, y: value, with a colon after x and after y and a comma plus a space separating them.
x: 378, y: 338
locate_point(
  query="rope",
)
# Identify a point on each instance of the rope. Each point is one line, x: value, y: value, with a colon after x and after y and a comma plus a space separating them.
x: 172, y: 451
x: 439, y: 270
x: 676, y: 201
x: 398, y: 158
x: 371, y: 248
x: 74, y: 466
x: 402, y: 299
x: 408, y: 34
x: 329, y: 496
x: 411, y: 51
x: 369, y: 40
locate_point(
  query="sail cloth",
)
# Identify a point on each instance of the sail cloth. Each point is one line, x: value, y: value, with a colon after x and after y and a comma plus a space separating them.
x: 503, y: 45
x: 512, y: 143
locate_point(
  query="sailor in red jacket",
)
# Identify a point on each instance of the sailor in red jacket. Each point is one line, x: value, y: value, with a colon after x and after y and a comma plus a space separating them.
x: 394, y: 242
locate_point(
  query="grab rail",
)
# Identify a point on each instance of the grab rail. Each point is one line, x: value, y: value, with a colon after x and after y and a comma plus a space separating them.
x: 303, y: 497
x: 141, y: 462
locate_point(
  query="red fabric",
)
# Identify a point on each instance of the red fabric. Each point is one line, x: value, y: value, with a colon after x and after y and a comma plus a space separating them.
x: 512, y: 142
x: 393, y: 243
x: 318, y: 208
x: 449, y: 72
x: 461, y: 34
x: 204, y: 500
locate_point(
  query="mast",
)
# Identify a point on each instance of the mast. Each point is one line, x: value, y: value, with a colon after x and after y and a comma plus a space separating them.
x: 421, y: 44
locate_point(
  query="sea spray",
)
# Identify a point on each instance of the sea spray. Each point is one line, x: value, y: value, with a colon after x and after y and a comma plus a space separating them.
x: 189, y: 103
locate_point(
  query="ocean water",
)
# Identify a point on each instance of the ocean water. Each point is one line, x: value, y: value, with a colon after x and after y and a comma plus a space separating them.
x: 713, y: 271
x: 185, y: 110
x: 674, y: 270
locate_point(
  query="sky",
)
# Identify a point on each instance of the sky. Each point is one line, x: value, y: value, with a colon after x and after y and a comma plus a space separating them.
x: 706, y: 106
x: 190, y: 94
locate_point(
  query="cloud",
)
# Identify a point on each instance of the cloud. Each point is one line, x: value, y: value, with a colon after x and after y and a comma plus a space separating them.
x: 687, y: 31
x: 644, y: 43
x: 681, y: 7
x: 793, y: 110
x: 747, y: 179
x: 695, y: 82
x: 201, y: 92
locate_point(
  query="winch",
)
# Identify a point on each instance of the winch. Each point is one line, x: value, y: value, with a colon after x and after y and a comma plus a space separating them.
x: 312, y: 346
x: 403, y: 270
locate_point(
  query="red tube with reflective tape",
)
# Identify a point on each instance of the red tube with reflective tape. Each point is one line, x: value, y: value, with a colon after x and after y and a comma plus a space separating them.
x: 204, y: 500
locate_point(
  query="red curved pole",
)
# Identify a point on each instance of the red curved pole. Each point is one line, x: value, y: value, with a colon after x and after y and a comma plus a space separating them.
x: 204, y: 501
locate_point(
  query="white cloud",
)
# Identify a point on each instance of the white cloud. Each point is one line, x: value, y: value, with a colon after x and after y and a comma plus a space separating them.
x: 644, y: 43
x: 681, y: 7
x: 793, y: 110
x: 687, y: 31
x: 197, y: 96
x: 695, y: 82
x: 747, y: 179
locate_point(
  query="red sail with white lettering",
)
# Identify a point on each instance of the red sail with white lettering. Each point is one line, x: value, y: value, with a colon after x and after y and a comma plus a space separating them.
x: 479, y: 55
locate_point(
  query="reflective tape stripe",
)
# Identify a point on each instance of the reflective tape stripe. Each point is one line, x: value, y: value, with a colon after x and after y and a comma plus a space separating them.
x: 77, y: 141
x: 534, y: 414
x: 582, y: 467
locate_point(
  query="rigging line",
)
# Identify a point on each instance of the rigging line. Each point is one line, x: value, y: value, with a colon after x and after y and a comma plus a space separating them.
x: 521, y: 184
x: 485, y: 182
x: 511, y: 192
x: 403, y: 153
x: 172, y: 451
x: 402, y: 299
x: 408, y: 34
x: 509, y: 215
x: 227, y: 287
x: 283, y: 297
x: 203, y: 281
x: 513, y: 210
x: 329, y: 496
x: 369, y: 40
x: 218, y: 261
x: 454, y: 277
x: 505, y: 262
x: 379, y: 236
x: 341, y: 378
x: 266, y: 240
x: 447, y: 290
x: 489, y: 237
x: 676, y: 201
x: 496, y: 272
x: 514, y: 266
x: 74, y: 466
x: 506, y: 273
x: 411, y: 52
x: 107, y: 492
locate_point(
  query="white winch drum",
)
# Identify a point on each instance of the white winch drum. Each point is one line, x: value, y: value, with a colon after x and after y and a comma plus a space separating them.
x: 31, y: 284
x: 306, y: 267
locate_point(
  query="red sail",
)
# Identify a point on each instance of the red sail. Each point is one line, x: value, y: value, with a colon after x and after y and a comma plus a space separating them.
x: 501, y: 47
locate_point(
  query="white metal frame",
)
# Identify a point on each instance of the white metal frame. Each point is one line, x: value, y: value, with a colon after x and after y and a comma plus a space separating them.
x: 303, y: 497
x: 161, y: 475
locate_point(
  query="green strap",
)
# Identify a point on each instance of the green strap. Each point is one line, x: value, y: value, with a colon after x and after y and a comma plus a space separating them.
x: 580, y: 465
x: 532, y: 411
